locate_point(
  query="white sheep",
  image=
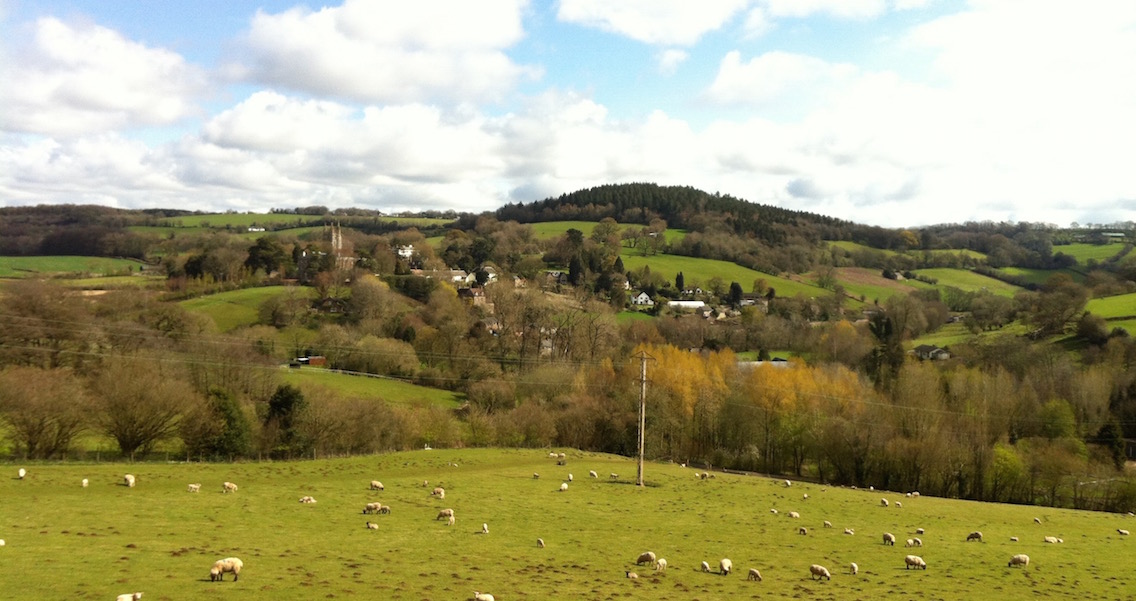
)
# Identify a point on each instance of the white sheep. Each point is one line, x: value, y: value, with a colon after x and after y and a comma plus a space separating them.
x: 1020, y: 559
x: 552, y: 455
x: 802, y: 530
x: 540, y: 542
x: 849, y: 531
x: 307, y: 499
x: 445, y: 513
x: 536, y: 476
x: 485, y: 528
x: 372, y: 507
x: 754, y: 575
x: 614, y: 476
x: 1013, y: 539
x: 632, y: 575
x: 439, y: 492
x: 914, y: 561
x: 221, y: 566
x: 794, y: 515
x: 918, y: 541
x: 805, y: 496
x: 976, y: 535
x: 788, y: 484
x: 20, y: 473
x: 85, y: 483
x: 372, y: 526
x: 818, y: 571
x: 889, y: 539
x: 899, y: 504
x: 593, y: 474
x: 646, y: 557
x: 705, y: 567
x: 1037, y: 520
x: 1122, y: 532
x: 883, y: 502
x: 910, y: 543
x: 129, y: 597
x: 773, y: 511
x: 2, y: 543
x: 853, y: 568
x: 661, y: 565
x: 827, y: 524
x: 725, y: 566
x: 1051, y: 539
x: 385, y: 509
x: 376, y: 485
x: 563, y: 486
x: 569, y: 477
x: 482, y: 596
x: 918, y: 531
x: 193, y: 487
x: 451, y: 521
x: 915, y: 494
x: 128, y: 480
x: 228, y: 487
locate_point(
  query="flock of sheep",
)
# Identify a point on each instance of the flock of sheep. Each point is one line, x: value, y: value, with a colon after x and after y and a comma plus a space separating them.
x: 233, y: 565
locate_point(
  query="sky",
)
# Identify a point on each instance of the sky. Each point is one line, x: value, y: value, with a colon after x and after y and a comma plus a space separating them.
x: 897, y: 113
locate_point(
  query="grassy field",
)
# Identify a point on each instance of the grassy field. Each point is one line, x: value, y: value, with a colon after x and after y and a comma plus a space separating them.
x: 1128, y: 324
x: 702, y: 270
x: 553, y: 229
x: 969, y: 281
x: 1040, y: 276
x: 391, y: 391
x: 68, y: 542
x: 1084, y: 252
x: 19, y: 267
x: 1112, y: 307
x: 231, y: 310
x: 872, y: 284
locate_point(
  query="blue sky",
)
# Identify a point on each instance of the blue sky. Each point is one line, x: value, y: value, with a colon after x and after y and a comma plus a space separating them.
x: 888, y: 112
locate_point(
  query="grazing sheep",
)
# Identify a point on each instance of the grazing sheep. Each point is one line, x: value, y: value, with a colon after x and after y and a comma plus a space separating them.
x: 853, y: 568
x: 1020, y: 559
x: 918, y: 541
x: 802, y: 530
x: 307, y: 499
x: 540, y: 542
x: 372, y: 526
x: 562, y: 456
x: 805, y: 496
x: 425, y: 483
x: 910, y: 543
x: 445, y: 513
x: 976, y: 535
x: 569, y: 477
x: 899, y: 504
x: 373, y: 508
x: 193, y: 487
x: 376, y: 485
x: 552, y: 455
x: 827, y: 524
x: 794, y: 515
x: 725, y: 566
x: 1051, y: 539
x: 889, y: 539
x: 632, y: 575
x: 451, y: 521
x: 754, y: 575
x: 614, y: 476
x: 1013, y: 539
x: 661, y: 565
x: 883, y: 502
x: 20, y: 473
x: 703, y: 476
x: 1037, y: 520
x: 1122, y: 532
x: 915, y: 494
x: 129, y: 597
x: 536, y: 476
x: 229, y: 564
x: 128, y: 480
x: 773, y: 511
x: 645, y: 557
x: 819, y: 571
x: 705, y: 567
x: 918, y: 531
x: 85, y: 483
x: 908, y: 495
x: 593, y: 474
x: 914, y: 561
x: 849, y: 531
x: 482, y: 596
x: 788, y: 484
x: 228, y: 487
x: 2, y: 543
x: 384, y: 509
x: 563, y: 486
x: 439, y: 492
x: 485, y: 528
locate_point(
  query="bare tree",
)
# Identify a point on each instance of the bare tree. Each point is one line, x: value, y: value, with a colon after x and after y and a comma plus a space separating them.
x: 43, y: 409
x: 140, y: 402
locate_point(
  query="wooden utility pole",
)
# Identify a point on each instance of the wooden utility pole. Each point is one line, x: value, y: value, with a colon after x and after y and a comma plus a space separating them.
x: 643, y: 357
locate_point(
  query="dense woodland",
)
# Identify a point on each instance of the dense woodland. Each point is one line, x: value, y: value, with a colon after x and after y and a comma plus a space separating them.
x: 1035, y: 410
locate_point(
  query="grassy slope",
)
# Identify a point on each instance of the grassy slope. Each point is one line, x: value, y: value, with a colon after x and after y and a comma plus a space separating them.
x: 12, y: 267
x: 1112, y: 307
x: 553, y: 229
x: 702, y: 270
x: 1041, y: 276
x: 64, y: 541
x: 230, y: 310
x: 1084, y: 252
x: 391, y: 391
x: 969, y: 280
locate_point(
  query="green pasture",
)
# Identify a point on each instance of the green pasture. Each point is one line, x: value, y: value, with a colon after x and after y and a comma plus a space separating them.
x: 856, y: 247
x: 966, y: 252
x: 1128, y: 325
x: 236, y: 308
x: 700, y: 271
x: 114, y: 282
x: 1113, y: 307
x: 553, y: 229
x: 68, y: 542
x: 968, y: 281
x: 20, y: 267
x: 1084, y: 252
x: 872, y: 285
x: 1040, y: 276
x: 364, y: 387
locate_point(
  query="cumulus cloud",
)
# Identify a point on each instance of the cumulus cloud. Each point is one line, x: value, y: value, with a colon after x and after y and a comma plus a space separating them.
x: 669, y: 60
x: 664, y: 22
x: 77, y: 78
x: 775, y: 76
x: 846, y: 9
x: 388, y: 52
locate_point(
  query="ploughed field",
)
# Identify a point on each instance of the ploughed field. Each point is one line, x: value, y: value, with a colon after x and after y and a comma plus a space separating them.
x: 65, y: 541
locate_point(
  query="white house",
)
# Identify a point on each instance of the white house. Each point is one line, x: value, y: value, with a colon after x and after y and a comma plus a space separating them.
x: 405, y: 251
x: 642, y: 300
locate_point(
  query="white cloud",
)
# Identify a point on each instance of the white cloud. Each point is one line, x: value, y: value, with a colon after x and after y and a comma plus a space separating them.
x: 845, y: 9
x: 388, y: 52
x: 670, y: 59
x: 71, y: 79
x: 776, y: 76
x: 757, y: 23
x: 663, y: 22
